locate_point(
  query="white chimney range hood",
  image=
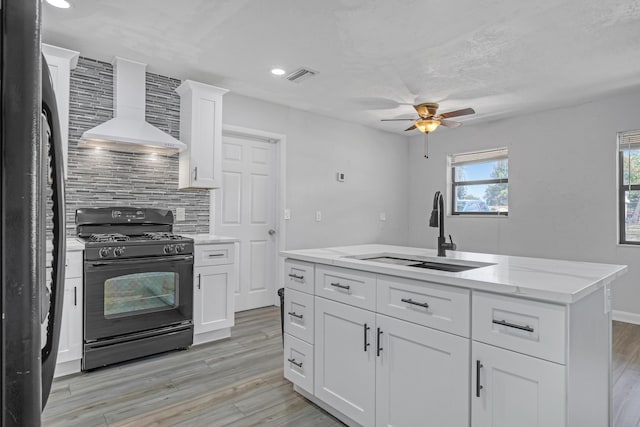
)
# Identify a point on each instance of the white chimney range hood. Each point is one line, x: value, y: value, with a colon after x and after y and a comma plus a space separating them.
x: 128, y: 131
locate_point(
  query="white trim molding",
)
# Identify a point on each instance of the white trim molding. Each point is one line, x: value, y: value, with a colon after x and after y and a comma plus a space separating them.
x: 624, y: 316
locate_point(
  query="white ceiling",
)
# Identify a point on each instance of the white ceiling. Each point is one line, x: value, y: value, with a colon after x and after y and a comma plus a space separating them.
x: 375, y: 58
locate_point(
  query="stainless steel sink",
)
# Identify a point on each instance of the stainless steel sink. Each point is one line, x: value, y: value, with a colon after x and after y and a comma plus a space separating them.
x: 423, y: 262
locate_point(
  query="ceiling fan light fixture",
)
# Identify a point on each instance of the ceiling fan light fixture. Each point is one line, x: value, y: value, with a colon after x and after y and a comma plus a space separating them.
x: 427, y: 125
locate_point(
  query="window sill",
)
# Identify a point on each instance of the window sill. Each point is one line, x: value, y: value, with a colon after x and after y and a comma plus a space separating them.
x: 628, y: 245
x: 477, y: 216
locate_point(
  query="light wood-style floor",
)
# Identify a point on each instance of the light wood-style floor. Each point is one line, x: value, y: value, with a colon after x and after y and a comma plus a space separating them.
x: 234, y: 382
x: 239, y: 382
x: 626, y: 375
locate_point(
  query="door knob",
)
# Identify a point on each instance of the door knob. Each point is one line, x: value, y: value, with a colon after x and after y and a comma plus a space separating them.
x: 272, y: 232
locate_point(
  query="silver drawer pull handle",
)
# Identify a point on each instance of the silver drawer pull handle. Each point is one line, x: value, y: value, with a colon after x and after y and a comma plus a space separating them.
x: 295, y: 276
x: 294, y: 314
x: 338, y: 285
x: 298, y: 364
x: 214, y: 255
x: 513, y: 325
x: 410, y: 301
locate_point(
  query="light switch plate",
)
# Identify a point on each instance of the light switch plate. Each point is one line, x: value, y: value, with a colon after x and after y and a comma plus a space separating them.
x: 383, y: 216
x: 287, y: 213
x: 318, y: 216
x: 180, y: 214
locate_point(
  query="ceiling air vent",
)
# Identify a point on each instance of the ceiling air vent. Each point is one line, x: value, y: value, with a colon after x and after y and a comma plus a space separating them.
x: 301, y: 74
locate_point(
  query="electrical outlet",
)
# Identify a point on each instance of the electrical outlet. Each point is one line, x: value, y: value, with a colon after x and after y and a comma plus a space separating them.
x: 287, y: 213
x: 383, y: 216
x: 318, y: 216
x: 340, y: 176
x: 180, y: 214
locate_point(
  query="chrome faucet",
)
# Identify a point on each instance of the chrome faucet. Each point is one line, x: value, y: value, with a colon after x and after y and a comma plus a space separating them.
x: 437, y: 220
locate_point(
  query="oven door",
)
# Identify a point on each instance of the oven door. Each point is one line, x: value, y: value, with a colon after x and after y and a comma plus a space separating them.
x: 126, y: 296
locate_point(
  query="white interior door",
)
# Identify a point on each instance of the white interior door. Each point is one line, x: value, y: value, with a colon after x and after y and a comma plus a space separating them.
x: 245, y: 208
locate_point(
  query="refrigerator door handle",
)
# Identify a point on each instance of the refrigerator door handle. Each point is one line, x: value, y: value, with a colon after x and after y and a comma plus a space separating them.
x: 50, y: 350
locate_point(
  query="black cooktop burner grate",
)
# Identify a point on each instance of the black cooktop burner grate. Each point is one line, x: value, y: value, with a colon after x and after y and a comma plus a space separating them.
x: 108, y: 237
x: 162, y: 236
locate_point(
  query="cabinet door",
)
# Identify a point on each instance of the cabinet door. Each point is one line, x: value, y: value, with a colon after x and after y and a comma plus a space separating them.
x: 205, y: 143
x: 201, y: 130
x: 213, y: 298
x: 422, y: 376
x: 515, y: 390
x: 344, y: 363
x: 70, y: 344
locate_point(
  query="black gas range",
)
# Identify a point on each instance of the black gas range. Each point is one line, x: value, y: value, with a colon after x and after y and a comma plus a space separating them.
x: 138, y: 284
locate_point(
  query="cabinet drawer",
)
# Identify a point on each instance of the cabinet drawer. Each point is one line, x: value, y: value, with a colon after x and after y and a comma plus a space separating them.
x: 298, y: 315
x: 214, y: 254
x: 73, y: 265
x: 298, y: 275
x: 440, y: 307
x: 298, y: 362
x: 529, y: 327
x: 352, y: 287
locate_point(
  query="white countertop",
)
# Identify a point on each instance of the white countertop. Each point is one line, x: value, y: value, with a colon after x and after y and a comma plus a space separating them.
x: 74, y: 244
x: 550, y: 280
x: 203, y: 239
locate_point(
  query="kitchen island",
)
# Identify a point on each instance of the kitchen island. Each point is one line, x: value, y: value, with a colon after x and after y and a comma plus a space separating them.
x: 376, y: 336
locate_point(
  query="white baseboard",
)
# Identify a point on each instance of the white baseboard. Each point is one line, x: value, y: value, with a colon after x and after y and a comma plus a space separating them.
x: 624, y: 316
x: 211, y: 336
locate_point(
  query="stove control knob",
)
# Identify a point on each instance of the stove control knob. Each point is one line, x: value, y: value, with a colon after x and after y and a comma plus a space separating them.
x: 167, y: 249
x: 179, y: 248
x: 104, y: 252
x: 118, y: 251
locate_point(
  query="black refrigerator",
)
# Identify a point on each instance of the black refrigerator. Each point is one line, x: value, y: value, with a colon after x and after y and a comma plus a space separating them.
x: 32, y: 206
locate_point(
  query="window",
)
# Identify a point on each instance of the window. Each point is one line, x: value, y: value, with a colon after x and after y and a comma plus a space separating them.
x: 629, y: 186
x: 480, y: 183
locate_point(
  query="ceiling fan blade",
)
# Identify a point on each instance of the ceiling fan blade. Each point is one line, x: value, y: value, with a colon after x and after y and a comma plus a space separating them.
x: 450, y: 123
x: 457, y: 113
x: 410, y: 128
x: 394, y: 120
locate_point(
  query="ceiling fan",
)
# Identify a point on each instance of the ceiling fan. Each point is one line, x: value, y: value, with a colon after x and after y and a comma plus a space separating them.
x: 429, y: 120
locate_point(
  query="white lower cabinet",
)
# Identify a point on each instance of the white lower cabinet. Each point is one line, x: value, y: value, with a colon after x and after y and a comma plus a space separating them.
x: 345, y: 359
x: 213, y: 298
x: 70, y: 345
x: 429, y: 354
x: 298, y: 315
x: 512, y: 389
x: 298, y: 362
x: 422, y: 376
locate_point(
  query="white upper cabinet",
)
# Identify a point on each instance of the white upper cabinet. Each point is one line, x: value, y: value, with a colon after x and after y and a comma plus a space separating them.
x: 201, y: 130
x: 61, y: 62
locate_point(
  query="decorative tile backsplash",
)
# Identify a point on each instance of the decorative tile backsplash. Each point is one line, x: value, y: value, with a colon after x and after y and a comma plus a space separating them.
x: 101, y: 178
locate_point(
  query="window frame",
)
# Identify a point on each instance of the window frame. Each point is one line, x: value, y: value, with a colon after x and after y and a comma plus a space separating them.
x: 453, y: 184
x: 622, y: 187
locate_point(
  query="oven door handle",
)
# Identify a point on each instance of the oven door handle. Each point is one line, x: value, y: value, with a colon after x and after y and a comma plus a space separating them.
x: 130, y: 261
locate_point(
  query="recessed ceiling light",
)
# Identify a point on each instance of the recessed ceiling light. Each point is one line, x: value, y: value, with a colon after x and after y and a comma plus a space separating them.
x: 277, y: 71
x: 62, y: 4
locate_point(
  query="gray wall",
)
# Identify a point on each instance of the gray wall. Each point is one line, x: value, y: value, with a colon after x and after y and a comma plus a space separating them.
x: 562, y: 187
x: 100, y: 178
x: 375, y: 164
x: 317, y: 148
